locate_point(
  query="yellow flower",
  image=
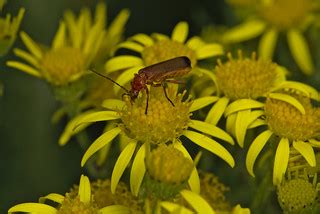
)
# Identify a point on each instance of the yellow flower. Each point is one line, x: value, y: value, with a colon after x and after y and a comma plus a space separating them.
x: 198, y: 205
x: 9, y: 29
x: 72, y: 51
x: 293, y: 127
x: 158, y: 48
x: 169, y: 122
x: 273, y: 17
x: 82, y: 203
x: 241, y: 83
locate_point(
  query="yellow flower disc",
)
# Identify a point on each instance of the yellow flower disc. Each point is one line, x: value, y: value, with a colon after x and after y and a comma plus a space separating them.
x: 167, y: 49
x: 285, y: 14
x: 212, y: 190
x: 73, y: 205
x: 246, y: 77
x: 63, y: 65
x: 286, y: 121
x: 162, y: 123
x: 296, y: 195
x: 168, y: 165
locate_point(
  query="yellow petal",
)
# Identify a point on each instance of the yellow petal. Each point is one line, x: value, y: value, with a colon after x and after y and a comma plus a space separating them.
x: 131, y: 46
x: 100, y: 142
x: 300, y: 51
x: 115, y: 209
x: 122, y: 62
x: 59, y: 38
x: 211, y: 75
x: 142, y: 39
x: 242, y: 104
x: 245, y: 31
x: 231, y: 120
x: 138, y: 170
x: 197, y: 202
x: 301, y: 87
x: 31, y: 45
x: 175, y: 208
x: 95, y: 117
x: 194, y: 181
x: 84, y: 189
x: 27, y: 57
x: 210, y: 145
x: 267, y: 44
x: 255, y: 148
x: 241, y: 126
x: 52, y: 197
x: 24, y: 67
x: 195, y: 43
x: 209, y: 50
x: 306, y: 150
x: 113, y: 104
x: 33, y: 208
x: 116, y: 27
x: 121, y: 164
x: 314, y: 143
x: 217, y: 111
x: 202, y: 102
x: 288, y: 99
x: 281, y: 161
x: 180, y: 32
x: 212, y: 130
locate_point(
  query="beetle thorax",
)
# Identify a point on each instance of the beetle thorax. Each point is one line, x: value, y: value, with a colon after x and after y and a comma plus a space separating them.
x: 138, y: 83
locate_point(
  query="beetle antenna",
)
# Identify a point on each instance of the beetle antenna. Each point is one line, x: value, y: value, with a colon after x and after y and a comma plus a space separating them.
x: 94, y: 71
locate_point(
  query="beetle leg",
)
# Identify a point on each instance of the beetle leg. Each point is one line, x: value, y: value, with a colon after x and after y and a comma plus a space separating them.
x: 165, y: 92
x: 147, y: 104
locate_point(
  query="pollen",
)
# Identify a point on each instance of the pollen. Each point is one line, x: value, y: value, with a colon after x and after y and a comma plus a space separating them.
x: 162, y: 123
x: 167, y: 49
x: 246, y: 77
x: 63, y: 65
x: 285, y: 14
x: 296, y: 195
x: 287, y: 121
x: 168, y: 165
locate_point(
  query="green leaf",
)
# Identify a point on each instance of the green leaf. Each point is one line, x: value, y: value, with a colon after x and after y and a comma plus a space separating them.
x: 100, y: 142
x: 121, y: 164
x: 210, y: 145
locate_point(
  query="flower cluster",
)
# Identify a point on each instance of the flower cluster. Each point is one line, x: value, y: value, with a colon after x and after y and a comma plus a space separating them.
x: 187, y: 103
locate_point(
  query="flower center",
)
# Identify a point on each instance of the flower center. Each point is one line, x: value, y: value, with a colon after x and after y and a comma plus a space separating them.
x: 63, y: 65
x: 162, y: 123
x: 167, y: 49
x: 246, y: 78
x: 285, y: 14
x: 73, y: 205
x: 287, y: 121
x: 296, y: 195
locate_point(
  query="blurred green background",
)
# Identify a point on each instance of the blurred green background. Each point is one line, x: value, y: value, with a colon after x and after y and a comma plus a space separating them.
x: 32, y: 164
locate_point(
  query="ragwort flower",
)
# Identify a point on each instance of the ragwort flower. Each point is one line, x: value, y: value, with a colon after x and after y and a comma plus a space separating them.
x: 8, y: 30
x: 274, y: 17
x: 241, y: 83
x: 83, y: 202
x: 162, y: 124
x: 158, y: 48
x: 72, y: 51
x: 292, y: 127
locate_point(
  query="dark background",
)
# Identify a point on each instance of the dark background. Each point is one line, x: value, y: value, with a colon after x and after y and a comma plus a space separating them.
x: 31, y: 162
